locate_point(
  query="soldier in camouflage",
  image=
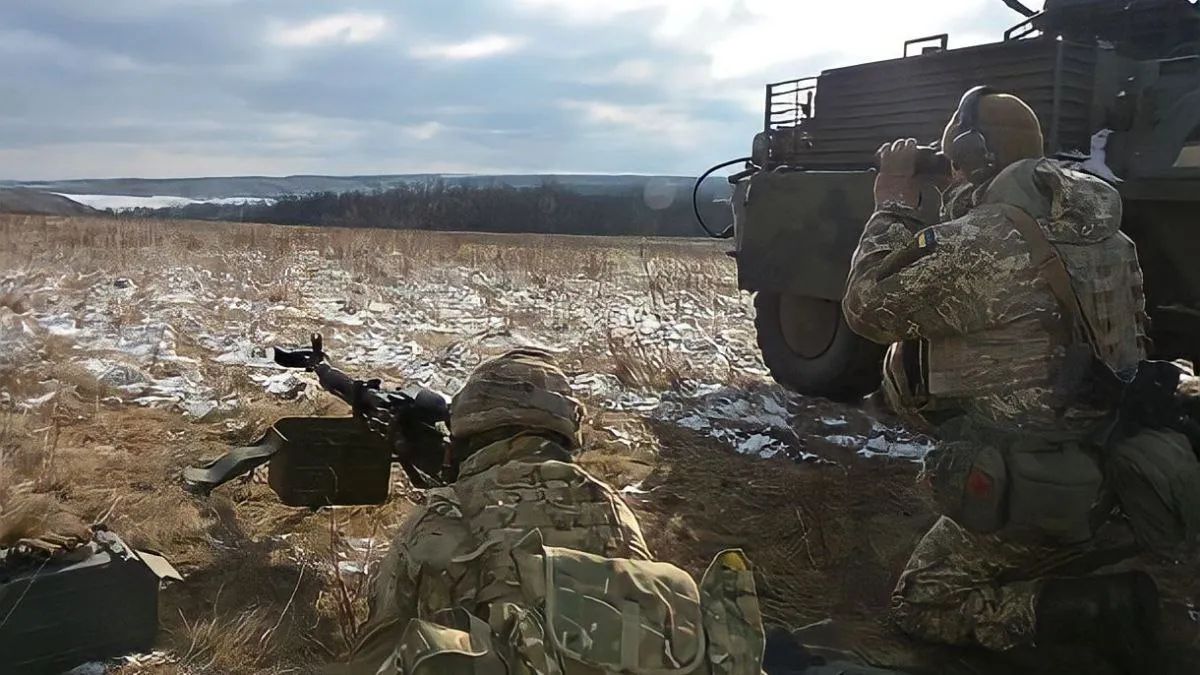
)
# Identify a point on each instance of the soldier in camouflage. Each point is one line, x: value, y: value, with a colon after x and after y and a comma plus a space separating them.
x: 529, y: 565
x: 996, y: 359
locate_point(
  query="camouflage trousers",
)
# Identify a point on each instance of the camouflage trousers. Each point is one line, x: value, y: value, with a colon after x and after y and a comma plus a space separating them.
x: 964, y: 588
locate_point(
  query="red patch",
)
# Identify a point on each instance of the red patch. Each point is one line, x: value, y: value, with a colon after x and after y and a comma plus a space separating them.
x: 979, y: 484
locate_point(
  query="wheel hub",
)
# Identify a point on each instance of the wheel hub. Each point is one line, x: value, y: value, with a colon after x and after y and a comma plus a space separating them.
x: 808, y: 324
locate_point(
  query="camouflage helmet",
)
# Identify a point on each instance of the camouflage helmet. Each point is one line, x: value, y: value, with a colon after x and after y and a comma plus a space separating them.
x: 522, y: 388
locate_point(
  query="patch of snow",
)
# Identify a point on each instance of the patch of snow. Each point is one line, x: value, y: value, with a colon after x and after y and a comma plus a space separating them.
x: 61, y: 325
x: 758, y: 444
x: 249, y: 355
x: 880, y: 445
x: 284, y: 385
x: 155, y: 401
x: 198, y: 410
x: 129, y: 202
x: 846, y: 441
x: 19, y: 335
x: 635, y: 401
x: 150, y: 659
x: 115, y: 374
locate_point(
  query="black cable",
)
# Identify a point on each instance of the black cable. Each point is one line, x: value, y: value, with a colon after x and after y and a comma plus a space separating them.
x: 1020, y: 8
x: 696, y: 193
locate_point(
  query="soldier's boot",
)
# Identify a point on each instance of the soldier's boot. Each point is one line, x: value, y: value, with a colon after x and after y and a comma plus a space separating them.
x: 1117, y: 616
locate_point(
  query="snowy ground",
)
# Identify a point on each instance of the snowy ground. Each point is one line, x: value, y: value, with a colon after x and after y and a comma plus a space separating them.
x: 657, y: 329
x: 134, y: 348
x: 120, y: 203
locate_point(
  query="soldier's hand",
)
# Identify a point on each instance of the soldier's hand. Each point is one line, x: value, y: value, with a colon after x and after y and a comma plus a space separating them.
x: 898, y: 158
x: 897, y: 185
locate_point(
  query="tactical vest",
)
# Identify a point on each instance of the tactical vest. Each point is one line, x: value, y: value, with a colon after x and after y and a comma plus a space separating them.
x: 567, y: 587
x: 1104, y: 276
x: 505, y: 501
x: 1043, y: 481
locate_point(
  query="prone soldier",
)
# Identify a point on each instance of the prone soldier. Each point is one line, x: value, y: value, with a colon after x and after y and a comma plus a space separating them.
x: 528, y: 564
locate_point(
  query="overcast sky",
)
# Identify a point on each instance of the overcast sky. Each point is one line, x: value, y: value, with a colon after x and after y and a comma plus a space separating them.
x: 160, y: 88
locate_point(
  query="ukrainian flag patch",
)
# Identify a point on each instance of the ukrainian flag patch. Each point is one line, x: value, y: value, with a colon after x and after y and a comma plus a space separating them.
x: 926, y: 239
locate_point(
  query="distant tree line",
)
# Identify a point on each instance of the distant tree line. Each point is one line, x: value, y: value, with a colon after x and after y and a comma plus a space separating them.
x: 550, y: 208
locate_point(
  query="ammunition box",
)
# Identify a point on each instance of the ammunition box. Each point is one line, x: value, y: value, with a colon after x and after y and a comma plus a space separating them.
x: 325, y: 461
x: 58, y: 615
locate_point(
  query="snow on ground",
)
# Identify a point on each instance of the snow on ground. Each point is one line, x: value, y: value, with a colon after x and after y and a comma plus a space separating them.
x: 768, y: 420
x: 670, y: 339
x: 129, y: 202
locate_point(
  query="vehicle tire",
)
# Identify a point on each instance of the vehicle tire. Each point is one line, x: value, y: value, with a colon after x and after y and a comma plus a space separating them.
x: 808, y: 347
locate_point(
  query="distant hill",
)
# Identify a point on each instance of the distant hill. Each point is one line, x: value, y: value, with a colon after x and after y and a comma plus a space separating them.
x: 269, y: 186
x: 25, y: 200
x: 553, y: 203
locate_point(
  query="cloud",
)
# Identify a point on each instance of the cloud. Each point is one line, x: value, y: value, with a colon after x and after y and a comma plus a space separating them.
x: 349, y: 28
x: 742, y: 37
x: 186, y: 87
x: 482, y: 47
x: 629, y: 71
x: 672, y: 12
x: 425, y: 130
x: 656, y: 121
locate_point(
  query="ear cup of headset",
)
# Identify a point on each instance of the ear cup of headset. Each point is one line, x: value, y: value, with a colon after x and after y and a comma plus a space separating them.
x: 969, y: 150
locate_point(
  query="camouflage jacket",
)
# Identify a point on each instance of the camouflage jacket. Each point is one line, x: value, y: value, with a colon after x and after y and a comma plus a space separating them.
x: 455, y: 551
x: 977, y: 330
x: 530, y: 565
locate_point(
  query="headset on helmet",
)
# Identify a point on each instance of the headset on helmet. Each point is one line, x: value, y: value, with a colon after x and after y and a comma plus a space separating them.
x: 969, y: 150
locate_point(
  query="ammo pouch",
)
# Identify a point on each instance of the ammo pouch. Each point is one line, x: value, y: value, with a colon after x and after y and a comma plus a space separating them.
x: 1055, y: 491
x: 454, y: 643
x: 613, y: 615
x: 1024, y: 485
x: 970, y: 484
x: 1156, y: 477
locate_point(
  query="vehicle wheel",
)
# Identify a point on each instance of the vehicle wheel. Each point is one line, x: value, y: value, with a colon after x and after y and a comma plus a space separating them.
x: 808, y: 347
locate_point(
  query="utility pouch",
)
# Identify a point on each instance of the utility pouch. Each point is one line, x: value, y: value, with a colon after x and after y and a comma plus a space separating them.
x: 522, y: 633
x: 732, y: 616
x: 454, y: 643
x: 611, y: 614
x: 1156, y: 476
x: 970, y: 484
x: 1054, y: 490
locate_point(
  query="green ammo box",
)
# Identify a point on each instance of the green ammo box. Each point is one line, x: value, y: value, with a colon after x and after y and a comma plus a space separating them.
x: 322, y: 461
x: 58, y: 615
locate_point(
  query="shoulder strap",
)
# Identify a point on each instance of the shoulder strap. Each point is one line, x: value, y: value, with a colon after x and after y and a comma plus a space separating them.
x: 203, y: 479
x: 1050, y: 266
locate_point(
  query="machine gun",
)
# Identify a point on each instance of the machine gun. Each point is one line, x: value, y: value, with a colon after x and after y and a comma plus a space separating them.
x: 317, y: 461
x: 408, y: 418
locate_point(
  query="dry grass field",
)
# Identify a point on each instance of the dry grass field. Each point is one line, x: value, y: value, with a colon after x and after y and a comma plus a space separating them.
x: 132, y: 349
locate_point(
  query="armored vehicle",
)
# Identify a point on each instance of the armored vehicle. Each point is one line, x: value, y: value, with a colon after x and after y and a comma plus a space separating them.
x: 1116, y: 84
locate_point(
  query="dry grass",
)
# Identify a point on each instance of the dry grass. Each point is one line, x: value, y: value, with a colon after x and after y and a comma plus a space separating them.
x: 639, y: 366
x: 264, y: 592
